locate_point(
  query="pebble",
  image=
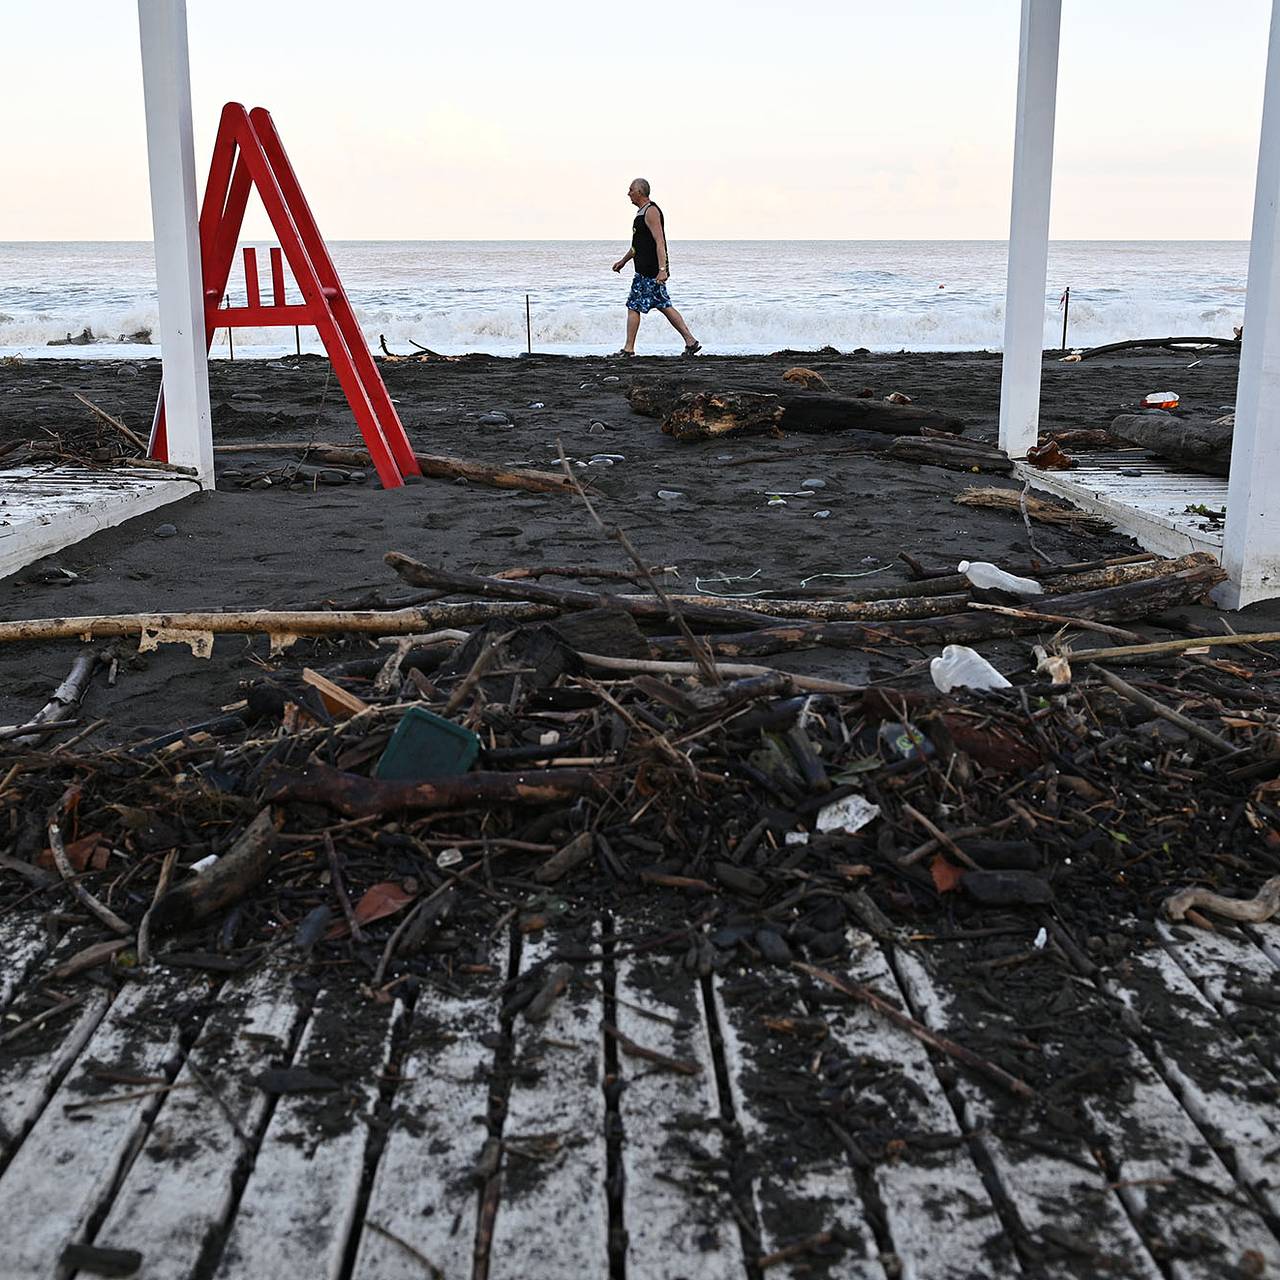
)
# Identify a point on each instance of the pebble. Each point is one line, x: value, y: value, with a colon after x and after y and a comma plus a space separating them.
x: 670, y: 495
x: 245, y: 395
x: 495, y: 418
x: 597, y: 429
x: 166, y: 530
x: 613, y: 457
x: 777, y: 502
x: 1131, y: 471
x: 128, y: 371
x: 600, y: 462
x: 822, y: 515
x: 611, y: 378
x: 813, y: 484
x: 536, y: 404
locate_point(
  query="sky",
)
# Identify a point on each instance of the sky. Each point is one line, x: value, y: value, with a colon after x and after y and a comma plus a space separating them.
x: 502, y: 119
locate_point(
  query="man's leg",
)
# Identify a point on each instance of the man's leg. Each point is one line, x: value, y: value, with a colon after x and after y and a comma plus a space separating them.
x: 633, y: 327
x: 678, y: 324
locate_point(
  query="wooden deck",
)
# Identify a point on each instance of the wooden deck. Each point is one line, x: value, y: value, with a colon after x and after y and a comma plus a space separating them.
x: 46, y: 508
x: 637, y: 1130
x: 1151, y: 506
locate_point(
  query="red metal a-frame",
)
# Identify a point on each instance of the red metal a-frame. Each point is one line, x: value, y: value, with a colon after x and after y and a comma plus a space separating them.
x: 248, y: 153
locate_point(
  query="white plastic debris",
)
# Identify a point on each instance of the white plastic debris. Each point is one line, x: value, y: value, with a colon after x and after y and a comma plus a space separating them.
x: 204, y: 864
x: 449, y: 858
x: 1041, y: 938
x: 1160, y: 400
x: 960, y: 667
x: 849, y: 815
x: 795, y: 837
x: 988, y: 577
x: 549, y: 738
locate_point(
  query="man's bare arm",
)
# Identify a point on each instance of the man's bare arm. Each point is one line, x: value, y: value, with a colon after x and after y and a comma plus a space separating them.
x: 622, y: 262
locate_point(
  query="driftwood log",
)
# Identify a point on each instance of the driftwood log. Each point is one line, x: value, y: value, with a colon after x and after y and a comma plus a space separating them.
x: 420, y: 575
x: 704, y: 415
x: 802, y: 411
x: 1125, y: 603
x: 355, y: 796
x: 1134, y: 344
x: 437, y: 466
x: 960, y: 455
x: 244, y: 865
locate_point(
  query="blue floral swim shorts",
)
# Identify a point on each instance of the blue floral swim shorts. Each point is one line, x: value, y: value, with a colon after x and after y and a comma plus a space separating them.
x: 647, y: 293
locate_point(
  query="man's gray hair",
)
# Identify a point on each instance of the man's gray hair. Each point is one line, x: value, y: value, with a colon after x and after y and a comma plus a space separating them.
x: 642, y: 185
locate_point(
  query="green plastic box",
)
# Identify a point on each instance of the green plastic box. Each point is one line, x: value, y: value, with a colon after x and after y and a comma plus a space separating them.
x: 426, y: 746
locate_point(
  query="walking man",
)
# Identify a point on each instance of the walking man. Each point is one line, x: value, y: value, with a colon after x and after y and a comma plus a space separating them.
x: 653, y: 270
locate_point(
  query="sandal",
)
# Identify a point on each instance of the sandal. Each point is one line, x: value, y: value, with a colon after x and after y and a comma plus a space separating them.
x: 693, y: 348
x: 625, y: 354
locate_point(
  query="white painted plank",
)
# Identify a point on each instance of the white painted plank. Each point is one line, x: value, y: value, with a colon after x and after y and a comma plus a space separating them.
x: 1049, y: 1193
x: 799, y: 1194
x: 32, y: 1066
x: 678, y: 1215
x: 70, y: 1159
x: 422, y: 1193
x: 553, y: 1219
x: 299, y: 1204
x: 1221, y: 1086
x: 178, y: 1193
x: 1268, y: 938
x: 61, y: 510
x: 940, y: 1216
x: 23, y: 942
x: 1224, y: 968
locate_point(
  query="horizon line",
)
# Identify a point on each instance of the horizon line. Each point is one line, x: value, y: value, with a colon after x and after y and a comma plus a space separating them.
x: 692, y: 240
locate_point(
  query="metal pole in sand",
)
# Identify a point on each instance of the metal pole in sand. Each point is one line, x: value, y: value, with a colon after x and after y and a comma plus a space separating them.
x: 1066, y: 310
x: 166, y: 89
x: 528, y: 326
x: 1029, y: 226
x: 1251, y: 539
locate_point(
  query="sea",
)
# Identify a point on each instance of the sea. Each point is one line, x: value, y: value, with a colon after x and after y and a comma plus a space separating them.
x: 738, y: 296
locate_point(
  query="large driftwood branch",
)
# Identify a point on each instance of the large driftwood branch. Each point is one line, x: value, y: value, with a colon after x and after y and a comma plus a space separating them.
x: 64, y: 703
x: 421, y: 575
x: 1125, y: 603
x: 1134, y: 344
x: 355, y: 796
x: 322, y: 622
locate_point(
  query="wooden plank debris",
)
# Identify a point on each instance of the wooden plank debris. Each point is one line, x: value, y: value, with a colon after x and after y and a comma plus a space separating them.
x: 22, y: 945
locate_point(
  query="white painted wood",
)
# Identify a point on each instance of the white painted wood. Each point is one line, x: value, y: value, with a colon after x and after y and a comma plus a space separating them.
x: 1205, y: 1065
x: 553, y: 1219
x: 178, y: 1192
x: 941, y: 1219
x: 299, y: 1204
x: 1219, y: 966
x: 678, y: 1216
x: 1268, y: 938
x: 422, y: 1193
x: 1029, y: 226
x: 30, y: 1074
x: 166, y: 81
x: 44, y: 509
x: 1151, y: 508
x: 1251, y: 554
x: 828, y: 1188
x: 65, y: 1169
x: 1046, y: 1191
x: 23, y: 942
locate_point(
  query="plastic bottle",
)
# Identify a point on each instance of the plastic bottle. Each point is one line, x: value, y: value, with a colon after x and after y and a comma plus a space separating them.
x: 988, y: 577
x: 960, y: 667
x: 1160, y: 400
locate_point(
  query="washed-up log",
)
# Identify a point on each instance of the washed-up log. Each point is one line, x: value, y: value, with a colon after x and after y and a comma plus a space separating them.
x: 437, y: 466
x: 1201, y: 444
x: 420, y: 575
x: 355, y: 796
x: 802, y: 411
x: 1135, y: 344
x: 322, y: 622
x: 1046, y: 512
x: 64, y: 703
x: 244, y: 865
x: 704, y: 415
x: 957, y: 456
x: 833, y: 610
x: 1126, y: 603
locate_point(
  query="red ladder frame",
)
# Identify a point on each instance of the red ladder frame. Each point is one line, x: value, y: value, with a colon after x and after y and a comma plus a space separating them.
x: 248, y: 153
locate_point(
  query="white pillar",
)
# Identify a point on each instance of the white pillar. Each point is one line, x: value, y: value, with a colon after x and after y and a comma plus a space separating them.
x: 166, y: 80
x: 1029, y: 226
x: 1251, y: 544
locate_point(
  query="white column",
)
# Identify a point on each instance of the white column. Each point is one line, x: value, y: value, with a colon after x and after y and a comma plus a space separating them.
x: 1029, y: 226
x: 1251, y: 545
x: 166, y: 79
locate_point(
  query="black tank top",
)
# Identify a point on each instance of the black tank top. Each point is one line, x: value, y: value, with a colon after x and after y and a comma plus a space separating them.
x: 643, y: 244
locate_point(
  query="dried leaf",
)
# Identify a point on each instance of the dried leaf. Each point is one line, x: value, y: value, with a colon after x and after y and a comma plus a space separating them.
x: 379, y: 900
x: 88, y: 853
x: 946, y: 876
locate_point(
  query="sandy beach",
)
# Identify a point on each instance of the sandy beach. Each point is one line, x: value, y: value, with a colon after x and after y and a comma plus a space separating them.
x: 251, y: 548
